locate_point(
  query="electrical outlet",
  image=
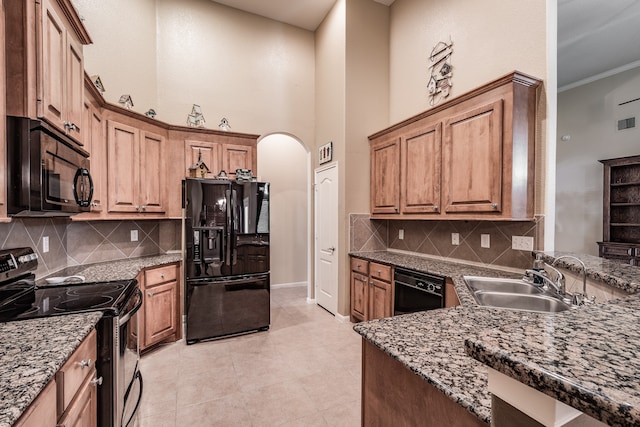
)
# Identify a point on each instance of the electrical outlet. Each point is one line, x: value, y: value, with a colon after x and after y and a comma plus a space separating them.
x: 485, y: 240
x: 455, y: 239
x: 401, y: 234
x: 134, y: 235
x: 522, y: 243
x: 45, y: 244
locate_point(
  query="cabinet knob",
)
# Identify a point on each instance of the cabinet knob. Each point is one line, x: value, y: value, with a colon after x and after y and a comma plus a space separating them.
x: 494, y: 205
x: 85, y: 363
x: 137, y: 208
x: 162, y: 275
x: 395, y: 209
x: 96, y: 381
x: 379, y: 272
x: 435, y: 207
x: 149, y: 294
x: 144, y: 207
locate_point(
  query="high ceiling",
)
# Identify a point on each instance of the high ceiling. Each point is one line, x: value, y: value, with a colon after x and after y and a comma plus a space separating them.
x: 594, y: 36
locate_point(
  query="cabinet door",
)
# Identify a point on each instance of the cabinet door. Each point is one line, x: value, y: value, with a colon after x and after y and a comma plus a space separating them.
x: 83, y: 412
x: 159, y: 312
x: 385, y: 176
x: 54, y: 46
x: 420, y: 180
x: 359, y: 296
x: 123, y: 163
x: 472, y: 160
x: 151, y: 171
x: 380, y: 303
x: 74, y: 88
x: 209, y: 152
x: 237, y: 157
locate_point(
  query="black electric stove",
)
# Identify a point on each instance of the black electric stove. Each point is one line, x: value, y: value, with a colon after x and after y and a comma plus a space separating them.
x: 21, y: 299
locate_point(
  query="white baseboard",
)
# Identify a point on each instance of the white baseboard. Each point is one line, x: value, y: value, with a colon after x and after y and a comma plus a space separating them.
x: 343, y: 319
x: 289, y: 285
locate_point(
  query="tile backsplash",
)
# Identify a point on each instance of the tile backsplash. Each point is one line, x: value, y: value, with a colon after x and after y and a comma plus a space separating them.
x: 434, y: 238
x: 85, y: 242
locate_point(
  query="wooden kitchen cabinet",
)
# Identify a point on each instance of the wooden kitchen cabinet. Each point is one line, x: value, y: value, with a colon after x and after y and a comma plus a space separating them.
x: 470, y: 158
x: 135, y: 161
x: 621, y: 210
x: 95, y: 144
x: 159, y: 318
x: 45, y: 73
x: 385, y: 176
x: 227, y: 156
x: 371, y: 290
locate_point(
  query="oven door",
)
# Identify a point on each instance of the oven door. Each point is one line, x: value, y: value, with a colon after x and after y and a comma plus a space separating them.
x: 129, y: 386
x: 409, y: 299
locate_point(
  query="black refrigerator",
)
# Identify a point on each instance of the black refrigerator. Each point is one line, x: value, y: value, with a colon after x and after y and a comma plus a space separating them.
x: 226, y: 227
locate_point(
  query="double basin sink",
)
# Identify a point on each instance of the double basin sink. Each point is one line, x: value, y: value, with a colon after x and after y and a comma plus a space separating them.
x: 514, y: 294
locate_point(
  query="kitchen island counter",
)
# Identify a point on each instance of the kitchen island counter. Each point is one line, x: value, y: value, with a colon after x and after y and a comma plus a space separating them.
x: 31, y: 353
x: 432, y: 344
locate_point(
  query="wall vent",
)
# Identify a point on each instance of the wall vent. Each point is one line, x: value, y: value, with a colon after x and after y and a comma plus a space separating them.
x: 627, y: 123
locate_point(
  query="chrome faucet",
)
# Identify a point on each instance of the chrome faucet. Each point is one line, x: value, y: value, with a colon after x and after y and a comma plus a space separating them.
x: 558, y: 284
x: 577, y: 298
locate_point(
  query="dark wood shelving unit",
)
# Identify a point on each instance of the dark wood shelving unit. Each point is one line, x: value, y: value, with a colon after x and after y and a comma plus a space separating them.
x: 621, y: 210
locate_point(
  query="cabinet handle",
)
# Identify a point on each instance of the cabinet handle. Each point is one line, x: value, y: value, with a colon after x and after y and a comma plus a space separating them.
x: 149, y: 294
x: 144, y: 207
x: 435, y: 207
x: 96, y: 381
x: 494, y: 205
x: 85, y: 363
x: 379, y: 272
x: 162, y: 275
x: 137, y: 208
x: 630, y: 251
x: 359, y: 265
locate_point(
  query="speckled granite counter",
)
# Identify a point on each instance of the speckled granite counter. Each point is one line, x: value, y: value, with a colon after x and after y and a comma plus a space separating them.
x: 123, y: 269
x: 432, y: 343
x: 31, y: 353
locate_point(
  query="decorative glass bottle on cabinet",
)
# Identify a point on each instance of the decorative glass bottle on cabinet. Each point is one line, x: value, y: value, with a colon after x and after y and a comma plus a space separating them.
x: 621, y: 214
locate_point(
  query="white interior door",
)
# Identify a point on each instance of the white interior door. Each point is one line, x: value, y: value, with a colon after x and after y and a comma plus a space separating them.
x: 326, y: 237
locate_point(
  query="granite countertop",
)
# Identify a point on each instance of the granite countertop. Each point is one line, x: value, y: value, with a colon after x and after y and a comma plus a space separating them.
x: 432, y: 343
x: 123, y: 269
x: 32, y: 351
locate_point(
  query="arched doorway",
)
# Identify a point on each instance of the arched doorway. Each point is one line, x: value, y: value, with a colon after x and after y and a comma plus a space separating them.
x: 285, y: 162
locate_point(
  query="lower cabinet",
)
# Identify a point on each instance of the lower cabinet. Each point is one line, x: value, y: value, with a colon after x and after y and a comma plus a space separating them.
x: 371, y: 290
x: 70, y: 399
x: 160, y: 315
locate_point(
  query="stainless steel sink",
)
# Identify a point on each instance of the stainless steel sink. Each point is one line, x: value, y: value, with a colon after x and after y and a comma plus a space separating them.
x: 514, y: 294
x: 496, y: 284
x: 542, y: 303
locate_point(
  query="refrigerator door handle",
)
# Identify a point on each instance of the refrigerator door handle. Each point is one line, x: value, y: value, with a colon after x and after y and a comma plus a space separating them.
x: 230, y: 209
x: 234, y: 210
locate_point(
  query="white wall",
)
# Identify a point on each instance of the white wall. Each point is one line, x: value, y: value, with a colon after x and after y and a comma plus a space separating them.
x: 589, y: 114
x: 284, y: 162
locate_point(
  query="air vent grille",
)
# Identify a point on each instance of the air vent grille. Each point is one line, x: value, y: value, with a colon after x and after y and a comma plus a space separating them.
x: 627, y: 123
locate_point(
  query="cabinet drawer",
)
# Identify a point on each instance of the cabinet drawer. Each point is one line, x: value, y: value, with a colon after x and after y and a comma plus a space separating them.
x: 159, y: 275
x: 618, y: 250
x: 379, y: 271
x: 73, y: 373
x: 360, y: 265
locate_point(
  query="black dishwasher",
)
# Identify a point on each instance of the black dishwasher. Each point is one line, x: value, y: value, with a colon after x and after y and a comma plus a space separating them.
x: 417, y: 291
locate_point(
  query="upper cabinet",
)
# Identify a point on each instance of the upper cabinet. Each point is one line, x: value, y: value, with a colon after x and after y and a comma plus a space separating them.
x: 46, y: 70
x: 135, y: 161
x: 469, y: 158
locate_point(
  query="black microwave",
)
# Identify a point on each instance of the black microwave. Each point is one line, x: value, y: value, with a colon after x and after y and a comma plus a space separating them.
x: 48, y: 173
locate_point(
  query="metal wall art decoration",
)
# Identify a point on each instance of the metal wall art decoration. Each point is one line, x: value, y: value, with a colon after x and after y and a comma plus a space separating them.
x: 441, y: 72
x: 196, y: 118
x: 97, y: 82
x: 325, y: 153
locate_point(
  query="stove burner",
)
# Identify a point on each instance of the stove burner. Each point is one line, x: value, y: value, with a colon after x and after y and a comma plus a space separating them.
x: 85, y: 303
x: 111, y: 289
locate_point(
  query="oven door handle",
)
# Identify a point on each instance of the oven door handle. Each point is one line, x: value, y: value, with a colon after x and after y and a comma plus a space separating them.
x: 137, y: 377
x: 126, y: 316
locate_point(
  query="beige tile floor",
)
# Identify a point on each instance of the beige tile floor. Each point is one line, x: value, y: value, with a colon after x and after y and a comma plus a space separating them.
x: 304, y: 371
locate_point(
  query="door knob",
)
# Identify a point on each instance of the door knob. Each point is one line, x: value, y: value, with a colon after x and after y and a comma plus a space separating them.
x: 331, y: 249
